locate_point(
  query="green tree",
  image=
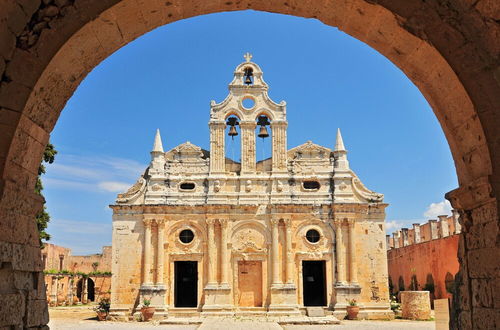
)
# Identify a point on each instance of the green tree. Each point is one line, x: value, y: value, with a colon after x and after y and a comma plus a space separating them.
x: 43, y: 217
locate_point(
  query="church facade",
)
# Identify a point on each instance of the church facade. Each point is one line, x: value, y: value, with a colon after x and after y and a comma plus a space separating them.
x: 201, y: 232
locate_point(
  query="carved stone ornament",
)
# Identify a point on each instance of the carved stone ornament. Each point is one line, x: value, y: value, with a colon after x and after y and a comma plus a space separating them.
x: 132, y: 191
x: 248, y: 186
x: 364, y: 192
x: 217, y: 186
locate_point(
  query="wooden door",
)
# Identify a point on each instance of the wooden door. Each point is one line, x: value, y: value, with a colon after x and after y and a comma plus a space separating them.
x: 250, y: 283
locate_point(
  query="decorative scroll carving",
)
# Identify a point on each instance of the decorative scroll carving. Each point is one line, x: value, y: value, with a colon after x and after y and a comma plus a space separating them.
x: 132, y: 192
x: 364, y: 192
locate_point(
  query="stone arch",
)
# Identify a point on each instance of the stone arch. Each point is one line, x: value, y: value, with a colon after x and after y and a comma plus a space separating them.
x: 448, y: 49
x: 264, y: 112
x: 234, y: 112
x: 314, y: 223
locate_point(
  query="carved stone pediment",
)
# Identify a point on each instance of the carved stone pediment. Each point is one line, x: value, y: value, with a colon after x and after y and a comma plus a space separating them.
x: 186, y: 151
x: 309, y: 150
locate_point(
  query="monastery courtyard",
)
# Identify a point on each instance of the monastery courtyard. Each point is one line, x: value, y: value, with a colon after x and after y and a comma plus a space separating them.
x: 83, y: 318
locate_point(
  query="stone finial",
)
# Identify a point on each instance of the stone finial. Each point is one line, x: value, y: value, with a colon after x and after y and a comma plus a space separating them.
x: 339, y: 143
x: 157, y: 146
x: 248, y: 57
x: 340, y: 153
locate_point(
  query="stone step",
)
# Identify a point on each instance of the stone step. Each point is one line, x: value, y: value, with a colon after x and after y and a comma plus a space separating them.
x: 315, y: 311
x: 184, y: 312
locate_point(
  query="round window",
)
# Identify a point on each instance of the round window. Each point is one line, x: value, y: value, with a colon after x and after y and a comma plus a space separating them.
x: 186, y: 236
x: 312, y: 235
x: 248, y: 103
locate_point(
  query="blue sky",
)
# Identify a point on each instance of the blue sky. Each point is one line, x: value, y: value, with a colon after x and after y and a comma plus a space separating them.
x: 166, y: 79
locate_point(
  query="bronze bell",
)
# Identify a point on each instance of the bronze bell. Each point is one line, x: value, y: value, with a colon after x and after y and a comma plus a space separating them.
x: 263, y: 132
x: 248, y: 76
x: 232, y: 131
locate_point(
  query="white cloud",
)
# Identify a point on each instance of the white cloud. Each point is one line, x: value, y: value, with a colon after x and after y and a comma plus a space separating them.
x: 114, y: 186
x: 96, y: 173
x: 82, y: 236
x: 435, y: 209
x: 392, y: 225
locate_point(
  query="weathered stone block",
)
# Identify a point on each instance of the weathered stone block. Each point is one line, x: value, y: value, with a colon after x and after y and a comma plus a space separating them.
x: 12, y: 311
x: 482, y: 293
x: 37, y: 312
x: 483, y: 263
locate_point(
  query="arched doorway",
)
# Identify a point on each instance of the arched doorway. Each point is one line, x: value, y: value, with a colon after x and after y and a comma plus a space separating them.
x: 79, y: 289
x: 448, y: 50
x: 90, y: 289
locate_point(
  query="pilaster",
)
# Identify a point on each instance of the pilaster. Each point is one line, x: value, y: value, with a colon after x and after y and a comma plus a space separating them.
x: 248, y: 160
x: 217, y: 147
x: 279, y: 146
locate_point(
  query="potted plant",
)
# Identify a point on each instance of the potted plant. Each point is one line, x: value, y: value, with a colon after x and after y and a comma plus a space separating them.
x: 146, y: 310
x: 352, y: 309
x: 102, y: 309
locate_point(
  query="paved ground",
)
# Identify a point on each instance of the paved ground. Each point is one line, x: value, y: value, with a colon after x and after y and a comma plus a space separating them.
x: 83, y: 318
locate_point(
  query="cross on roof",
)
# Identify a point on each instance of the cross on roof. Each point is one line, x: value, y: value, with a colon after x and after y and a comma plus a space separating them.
x: 248, y: 56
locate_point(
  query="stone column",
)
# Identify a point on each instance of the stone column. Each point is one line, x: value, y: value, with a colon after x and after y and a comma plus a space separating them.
x: 85, y: 292
x: 160, y: 253
x: 275, y: 252
x: 53, y: 291
x: 248, y: 160
x: 146, y: 266
x: 70, y: 291
x: 289, y: 252
x: 340, y: 253
x: 353, y: 267
x: 217, y: 147
x: 212, y: 262
x: 223, y: 252
x: 279, y: 145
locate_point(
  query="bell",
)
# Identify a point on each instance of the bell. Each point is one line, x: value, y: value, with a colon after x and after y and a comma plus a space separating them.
x: 248, y: 76
x: 263, y: 132
x: 248, y: 80
x: 232, y: 131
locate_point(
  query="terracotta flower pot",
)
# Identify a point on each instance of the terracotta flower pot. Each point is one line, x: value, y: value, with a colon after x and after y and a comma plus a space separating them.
x: 352, y: 312
x: 101, y: 316
x: 147, y: 313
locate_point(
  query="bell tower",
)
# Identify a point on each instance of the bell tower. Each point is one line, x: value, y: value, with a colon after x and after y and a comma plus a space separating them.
x: 250, y: 104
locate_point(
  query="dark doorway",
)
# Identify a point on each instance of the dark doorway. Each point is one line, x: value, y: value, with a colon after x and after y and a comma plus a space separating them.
x: 90, y: 289
x: 313, y: 279
x: 186, y: 284
x: 79, y: 289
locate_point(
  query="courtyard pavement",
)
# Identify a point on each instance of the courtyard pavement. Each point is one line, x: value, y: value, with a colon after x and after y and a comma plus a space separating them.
x: 84, y: 319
